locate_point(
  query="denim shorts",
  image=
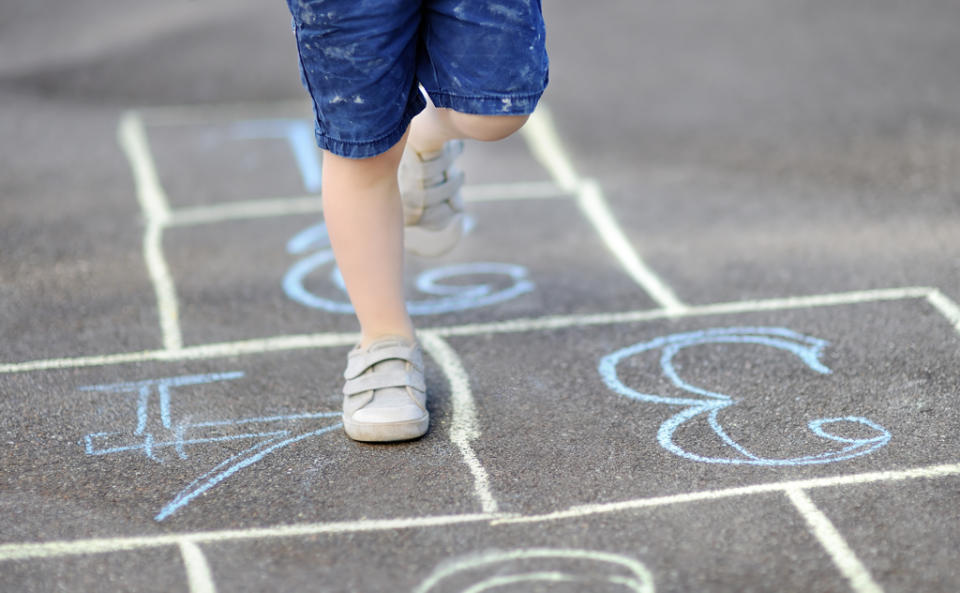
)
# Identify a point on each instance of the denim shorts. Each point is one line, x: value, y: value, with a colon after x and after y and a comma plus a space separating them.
x: 364, y: 61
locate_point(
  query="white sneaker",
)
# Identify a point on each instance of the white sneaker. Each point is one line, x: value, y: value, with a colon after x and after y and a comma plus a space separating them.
x: 432, y: 207
x: 385, y: 395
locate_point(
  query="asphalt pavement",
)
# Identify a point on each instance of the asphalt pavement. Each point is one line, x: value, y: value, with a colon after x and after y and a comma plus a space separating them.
x: 703, y: 335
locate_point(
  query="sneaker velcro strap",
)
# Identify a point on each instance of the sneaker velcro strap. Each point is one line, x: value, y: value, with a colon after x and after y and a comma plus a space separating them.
x: 382, y: 380
x: 442, y: 192
x: 415, y: 201
x: 437, y: 165
x: 357, y: 365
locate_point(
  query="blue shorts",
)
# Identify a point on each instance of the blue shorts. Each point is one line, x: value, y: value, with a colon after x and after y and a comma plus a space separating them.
x: 363, y: 62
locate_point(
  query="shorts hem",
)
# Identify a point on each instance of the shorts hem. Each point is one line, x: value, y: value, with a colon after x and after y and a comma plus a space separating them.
x: 507, y: 104
x: 362, y: 149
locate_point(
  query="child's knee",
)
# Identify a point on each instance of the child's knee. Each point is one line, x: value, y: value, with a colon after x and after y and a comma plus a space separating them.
x: 487, y: 128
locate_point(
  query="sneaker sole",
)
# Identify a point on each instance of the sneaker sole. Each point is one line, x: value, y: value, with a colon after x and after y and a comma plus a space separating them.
x: 380, y: 432
x: 432, y: 242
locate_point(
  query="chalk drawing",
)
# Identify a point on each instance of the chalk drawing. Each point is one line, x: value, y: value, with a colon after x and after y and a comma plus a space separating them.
x: 496, y: 569
x: 298, y: 133
x: 449, y: 297
x: 711, y: 403
x: 269, y: 432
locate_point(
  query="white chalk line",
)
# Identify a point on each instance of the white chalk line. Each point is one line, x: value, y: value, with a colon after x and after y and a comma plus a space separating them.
x: 832, y: 541
x: 247, y: 209
x: 544, y: 142
x: 947, y: 307
x: 595, y: 208
x: 522, y: 190
x: 929, y: 472
x: 22, y: 551
x: 555, y: 322
x: 193, y: 115
x: 199, y: 577
x: 311, y: 204
x: 120, y: 544
x: 201, y: 352
x: 133, y: 141
x: 552, y: 322
x: 464, y: 426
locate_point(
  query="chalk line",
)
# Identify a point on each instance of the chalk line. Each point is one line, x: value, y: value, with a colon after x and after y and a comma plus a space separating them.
x: 21, y: 551
x: 247, y: 209
x: 464, y: 426
x: 946, y: 306
x: 524, y: 190
x: 118, y: 544
x: 192, y: 115
x: 311, y: 204
x: 832, y: 541
x: 550, y: 322
x: 544, y: 142
x: 200, y: 352
x: 199, y: 576
x: 594, y: 206
x: 575, y: 512
x: 133, y: 140
x: 754, y: 306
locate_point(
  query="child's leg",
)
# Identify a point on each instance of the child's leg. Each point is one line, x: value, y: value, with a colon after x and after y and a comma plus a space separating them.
x: 361, y: 206
x: 430, y: 183
x: 433, y: 126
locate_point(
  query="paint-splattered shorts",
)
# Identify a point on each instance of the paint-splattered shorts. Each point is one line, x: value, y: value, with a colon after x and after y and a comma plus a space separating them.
x: 363, y: 61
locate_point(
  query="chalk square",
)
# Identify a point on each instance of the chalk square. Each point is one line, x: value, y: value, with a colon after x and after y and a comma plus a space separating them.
x: 556, y: 435
x: 516, y: 263
x: 218, y: 162
x: 241, y: 442
x: 748, y: 544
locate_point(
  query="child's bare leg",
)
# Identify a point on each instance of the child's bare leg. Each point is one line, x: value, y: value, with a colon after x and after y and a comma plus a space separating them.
x: 434, y: 126
x: 362, y: 209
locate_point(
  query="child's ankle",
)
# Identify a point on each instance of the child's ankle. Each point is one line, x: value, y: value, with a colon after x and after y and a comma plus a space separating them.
x: 367, y: 339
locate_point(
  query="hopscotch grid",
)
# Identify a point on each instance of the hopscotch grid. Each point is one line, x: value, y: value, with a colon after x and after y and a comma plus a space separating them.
x: 34, y: 550
x: 544, y: 143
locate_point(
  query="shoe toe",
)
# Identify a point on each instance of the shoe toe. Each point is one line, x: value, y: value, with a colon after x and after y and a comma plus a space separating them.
x: 388, y: 415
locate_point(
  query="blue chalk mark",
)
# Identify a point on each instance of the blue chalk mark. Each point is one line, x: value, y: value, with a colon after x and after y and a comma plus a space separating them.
x: 460, y: 297
x: 807, y: 348
x: 314, y: 237
x: 451, y: 297
x: 178, y: 442
x: 231, y: 466
x: 274, y: 432
x: 299, y: 134
x: 144, y: 389
x: 293, y: 284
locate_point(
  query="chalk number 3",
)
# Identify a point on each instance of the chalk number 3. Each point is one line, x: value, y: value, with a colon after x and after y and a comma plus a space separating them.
x: 704, y: 403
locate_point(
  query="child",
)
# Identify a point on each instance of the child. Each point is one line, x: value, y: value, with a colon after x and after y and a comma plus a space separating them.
x: 483, y: 66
